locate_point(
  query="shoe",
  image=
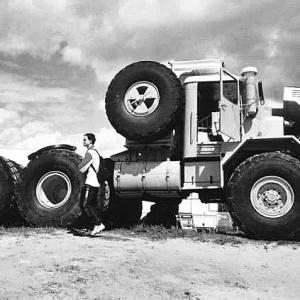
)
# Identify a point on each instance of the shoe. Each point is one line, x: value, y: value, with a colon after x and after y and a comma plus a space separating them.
x: 97, y: 229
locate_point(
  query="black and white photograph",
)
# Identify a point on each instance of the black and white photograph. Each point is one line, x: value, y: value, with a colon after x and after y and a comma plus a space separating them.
x: 149, y: 149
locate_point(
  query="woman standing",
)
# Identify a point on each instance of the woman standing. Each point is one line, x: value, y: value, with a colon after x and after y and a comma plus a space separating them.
x: 89, y: 195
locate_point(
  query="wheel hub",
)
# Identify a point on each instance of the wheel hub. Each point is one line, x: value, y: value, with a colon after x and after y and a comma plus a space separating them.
x: 142, y: 99
x: 272, y: 196
x: 53, y: 190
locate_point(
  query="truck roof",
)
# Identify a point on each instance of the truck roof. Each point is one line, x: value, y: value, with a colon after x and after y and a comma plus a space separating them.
x: 207, y: 70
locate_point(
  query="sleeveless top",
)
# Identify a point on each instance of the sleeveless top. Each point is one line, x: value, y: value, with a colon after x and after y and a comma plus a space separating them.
x: 91, y: 178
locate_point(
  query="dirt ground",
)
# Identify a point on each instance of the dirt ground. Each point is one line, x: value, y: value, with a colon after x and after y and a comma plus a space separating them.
x: 59, y: 265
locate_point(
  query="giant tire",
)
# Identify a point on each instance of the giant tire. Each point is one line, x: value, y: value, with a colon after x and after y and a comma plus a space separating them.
x: 264, y: 196
x: 144, y: 101
x: 10, y: 177
x: 50, y: 191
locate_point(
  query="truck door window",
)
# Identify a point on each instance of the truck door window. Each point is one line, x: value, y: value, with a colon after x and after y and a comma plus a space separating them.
x: 230, y: 91
x: 208, y: 98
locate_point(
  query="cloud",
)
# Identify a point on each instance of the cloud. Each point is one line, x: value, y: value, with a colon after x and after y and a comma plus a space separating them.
x: 8, y: 115
x: 52, y: 52
x: 17, y: 134
x: 38, y: 141
x: 15, y: 88
x: 98, y: 33
x: 35, y: 127
x: 54, y: 6
x: 72, y: 55
x: 106, y: 36
x: 25, y: 101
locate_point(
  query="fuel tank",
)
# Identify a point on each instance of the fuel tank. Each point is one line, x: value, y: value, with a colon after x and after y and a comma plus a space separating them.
x: 154, y: 178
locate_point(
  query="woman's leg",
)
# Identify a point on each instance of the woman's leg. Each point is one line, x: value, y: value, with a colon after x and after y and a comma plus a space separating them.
x: 88, y: 204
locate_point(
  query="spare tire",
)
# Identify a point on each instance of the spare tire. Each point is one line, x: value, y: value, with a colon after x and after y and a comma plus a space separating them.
x: 10, y: 177
x: 51, y: 186
x: 144, y: 100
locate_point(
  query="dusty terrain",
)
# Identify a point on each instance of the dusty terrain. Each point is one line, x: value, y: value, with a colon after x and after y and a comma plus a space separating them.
x: 55, y: 264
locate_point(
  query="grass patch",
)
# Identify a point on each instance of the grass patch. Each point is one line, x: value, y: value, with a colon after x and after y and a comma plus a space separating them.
x: 162, y: 233
x: 232, y: 238
x: 157, y: 233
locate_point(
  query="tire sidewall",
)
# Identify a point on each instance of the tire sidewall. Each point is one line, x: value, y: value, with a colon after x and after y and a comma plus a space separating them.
x: 243, y: 207
x: 159, y: 122
x: 135, y: 76
x: 6, y: 190
x: 34, y: 211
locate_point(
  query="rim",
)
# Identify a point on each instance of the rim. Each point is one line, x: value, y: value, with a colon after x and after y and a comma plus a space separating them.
x: 272, y: 196
x: 105, y: 192
x: 53, y: 190
x: 142, y: 99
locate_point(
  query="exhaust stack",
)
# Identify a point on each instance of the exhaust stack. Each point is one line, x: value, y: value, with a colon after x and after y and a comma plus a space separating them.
x: 249, y: 74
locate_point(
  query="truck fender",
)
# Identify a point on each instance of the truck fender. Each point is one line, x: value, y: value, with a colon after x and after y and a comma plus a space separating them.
x: 52, y: 147
x: 252, y: 146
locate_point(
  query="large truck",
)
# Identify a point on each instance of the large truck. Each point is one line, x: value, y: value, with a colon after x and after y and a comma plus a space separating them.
x: 190, y: 127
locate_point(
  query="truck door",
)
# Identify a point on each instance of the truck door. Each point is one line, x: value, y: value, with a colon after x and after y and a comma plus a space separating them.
x: 229, y: 107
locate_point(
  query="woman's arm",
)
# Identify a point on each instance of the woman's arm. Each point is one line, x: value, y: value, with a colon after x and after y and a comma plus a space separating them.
x: 85, y: 163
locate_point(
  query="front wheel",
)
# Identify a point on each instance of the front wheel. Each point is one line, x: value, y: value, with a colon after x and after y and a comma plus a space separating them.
x: 264, y: 196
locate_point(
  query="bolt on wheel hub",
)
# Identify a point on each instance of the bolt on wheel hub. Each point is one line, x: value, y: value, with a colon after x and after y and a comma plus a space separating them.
x: 272, y: 196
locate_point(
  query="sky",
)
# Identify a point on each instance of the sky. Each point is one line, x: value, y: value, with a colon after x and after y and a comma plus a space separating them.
x: 57, y: 57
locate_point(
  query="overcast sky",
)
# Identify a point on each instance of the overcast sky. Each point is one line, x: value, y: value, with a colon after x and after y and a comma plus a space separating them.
x: 57, y: 57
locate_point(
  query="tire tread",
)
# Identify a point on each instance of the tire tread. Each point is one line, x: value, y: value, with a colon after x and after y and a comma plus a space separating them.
x: 233, y: 182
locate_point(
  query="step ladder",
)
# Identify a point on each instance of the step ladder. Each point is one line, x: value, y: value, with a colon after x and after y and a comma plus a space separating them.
x: 185, y: 221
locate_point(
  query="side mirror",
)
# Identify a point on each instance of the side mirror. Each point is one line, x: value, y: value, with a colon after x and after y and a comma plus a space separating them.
x: 261, y: 93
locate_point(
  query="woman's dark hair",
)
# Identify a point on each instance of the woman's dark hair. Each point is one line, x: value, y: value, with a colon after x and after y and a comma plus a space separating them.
x: 91, y: 137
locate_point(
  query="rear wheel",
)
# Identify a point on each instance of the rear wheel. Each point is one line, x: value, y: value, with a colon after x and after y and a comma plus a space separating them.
x: 51, y: 189
x: 265, y: 196
x: 10, y: 178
